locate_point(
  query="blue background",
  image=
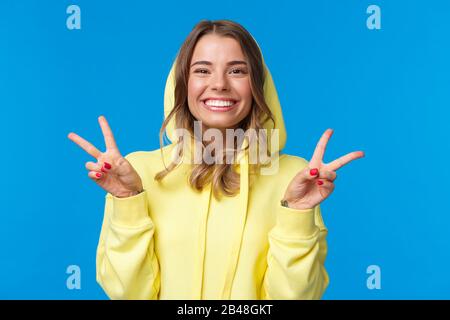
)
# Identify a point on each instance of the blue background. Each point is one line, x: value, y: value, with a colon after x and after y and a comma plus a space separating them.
x: 383, y: 91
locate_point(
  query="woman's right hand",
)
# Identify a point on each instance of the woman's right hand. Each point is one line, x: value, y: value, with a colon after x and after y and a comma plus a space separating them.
x: 112, y: 172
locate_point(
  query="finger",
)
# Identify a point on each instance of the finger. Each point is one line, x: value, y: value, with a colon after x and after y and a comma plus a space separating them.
x: 342, y: 161
x: 317, y: 157
x: 107, y: 133
x: 84, y: 144
x: 309, y: 173
x: 95, y: 175
x: 97, y: 166
x: 93, y: 166
x: 327, y: 174
x: 106, y: 167
x: 326, y: 185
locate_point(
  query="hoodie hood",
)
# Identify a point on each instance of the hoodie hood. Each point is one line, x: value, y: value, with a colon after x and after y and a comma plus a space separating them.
x: 271, y: 98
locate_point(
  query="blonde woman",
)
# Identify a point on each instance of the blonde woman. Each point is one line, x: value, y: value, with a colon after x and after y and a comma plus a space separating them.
x: 176, y: 228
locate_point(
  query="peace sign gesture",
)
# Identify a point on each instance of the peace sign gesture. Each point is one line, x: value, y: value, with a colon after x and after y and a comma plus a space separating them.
x: 314, y: 184
x: 112, y: 172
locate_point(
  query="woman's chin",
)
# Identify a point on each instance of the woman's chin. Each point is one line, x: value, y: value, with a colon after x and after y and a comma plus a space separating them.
x: 219, y: 124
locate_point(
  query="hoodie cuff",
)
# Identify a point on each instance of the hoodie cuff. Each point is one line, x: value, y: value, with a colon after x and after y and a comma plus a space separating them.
x: 131, y: 211
x: 294, y: 223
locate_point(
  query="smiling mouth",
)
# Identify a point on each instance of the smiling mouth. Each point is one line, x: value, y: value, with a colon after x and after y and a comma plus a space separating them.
x: 219, y: 107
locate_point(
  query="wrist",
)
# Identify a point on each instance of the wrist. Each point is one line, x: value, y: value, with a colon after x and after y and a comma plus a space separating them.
x: 294, y: 204
x: 129, y: 194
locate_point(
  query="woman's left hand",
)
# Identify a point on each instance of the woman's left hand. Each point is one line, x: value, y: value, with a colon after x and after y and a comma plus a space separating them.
x: 315, y: 183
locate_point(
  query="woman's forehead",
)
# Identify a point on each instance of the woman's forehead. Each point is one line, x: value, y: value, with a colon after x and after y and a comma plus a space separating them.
x: 217, y: 49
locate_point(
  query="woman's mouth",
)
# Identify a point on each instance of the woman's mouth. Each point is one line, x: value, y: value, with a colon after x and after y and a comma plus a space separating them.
x: 219, y: 105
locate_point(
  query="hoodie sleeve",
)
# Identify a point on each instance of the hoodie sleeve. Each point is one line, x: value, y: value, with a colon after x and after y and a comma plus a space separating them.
x: 296, y: 256
x: 127, y: 267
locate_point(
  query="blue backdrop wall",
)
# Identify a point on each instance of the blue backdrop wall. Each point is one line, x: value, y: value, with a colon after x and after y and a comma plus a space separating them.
x: 384, y: 91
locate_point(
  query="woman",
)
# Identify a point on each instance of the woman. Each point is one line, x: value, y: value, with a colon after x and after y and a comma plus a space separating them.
x: 174, y: 229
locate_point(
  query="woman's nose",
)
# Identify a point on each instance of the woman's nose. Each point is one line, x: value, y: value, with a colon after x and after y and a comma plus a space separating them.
x: 219, y: 82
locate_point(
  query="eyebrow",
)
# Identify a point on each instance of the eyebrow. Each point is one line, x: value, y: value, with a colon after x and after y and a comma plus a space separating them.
x: 230, y: 63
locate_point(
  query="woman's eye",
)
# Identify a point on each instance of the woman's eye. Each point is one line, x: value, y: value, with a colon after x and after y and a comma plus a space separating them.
x: 238, y: 71
x: 201, y: 71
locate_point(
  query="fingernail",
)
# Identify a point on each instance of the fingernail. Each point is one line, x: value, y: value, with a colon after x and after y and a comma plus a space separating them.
x: 103, y: 169
x: 98, y: 174
x: 107, y: 165
x: 313, y: 172
x: 319, y: 182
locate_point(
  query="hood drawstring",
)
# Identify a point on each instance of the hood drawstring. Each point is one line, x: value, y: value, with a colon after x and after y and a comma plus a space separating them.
x: 239, y: 224
x: 238, y: 229
x: 206, y: 199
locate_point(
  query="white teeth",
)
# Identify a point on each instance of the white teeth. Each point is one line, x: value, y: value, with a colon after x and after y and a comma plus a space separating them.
x: 219, y: 103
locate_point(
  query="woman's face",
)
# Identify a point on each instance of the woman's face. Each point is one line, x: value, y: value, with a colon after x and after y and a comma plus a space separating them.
x: 219, y: 91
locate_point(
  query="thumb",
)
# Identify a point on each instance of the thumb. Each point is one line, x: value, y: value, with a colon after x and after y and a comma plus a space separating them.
x: 310, y: 173
x: 123, y: 167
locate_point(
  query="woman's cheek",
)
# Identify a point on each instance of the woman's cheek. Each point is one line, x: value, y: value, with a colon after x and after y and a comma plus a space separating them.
x: 242, y: 86
x: 196, y: 86
x: 195, y: 89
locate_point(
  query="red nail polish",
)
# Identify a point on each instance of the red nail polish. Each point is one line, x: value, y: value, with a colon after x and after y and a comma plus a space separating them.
x: 103, y: 169
x: 313, y: 172
x: 319, y: 182
x: 107, y: 165
x: 98, y: 174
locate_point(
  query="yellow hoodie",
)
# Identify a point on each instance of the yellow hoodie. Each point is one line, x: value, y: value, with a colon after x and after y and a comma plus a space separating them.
x: 173, y: 242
